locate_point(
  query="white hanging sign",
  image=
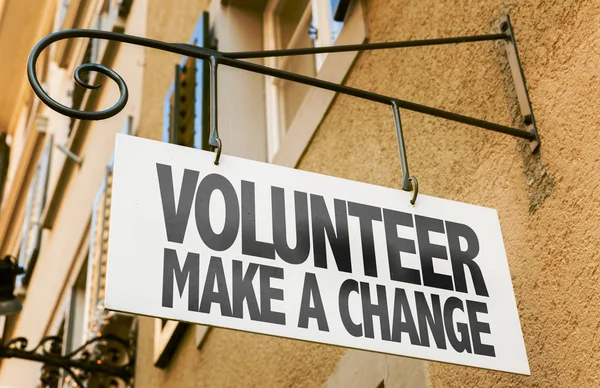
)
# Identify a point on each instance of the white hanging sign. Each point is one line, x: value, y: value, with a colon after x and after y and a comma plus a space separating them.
x: 266, y: 249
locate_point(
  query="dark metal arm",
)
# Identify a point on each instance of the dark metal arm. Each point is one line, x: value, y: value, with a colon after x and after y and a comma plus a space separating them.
x: 229, y: 59
x: 233, y: 59
x: 365, y: 46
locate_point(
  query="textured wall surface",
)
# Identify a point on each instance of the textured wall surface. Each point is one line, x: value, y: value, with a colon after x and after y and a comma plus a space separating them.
x: 547, y: 203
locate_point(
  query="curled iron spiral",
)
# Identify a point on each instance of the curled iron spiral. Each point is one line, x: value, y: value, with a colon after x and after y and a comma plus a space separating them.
x: 183, y: 49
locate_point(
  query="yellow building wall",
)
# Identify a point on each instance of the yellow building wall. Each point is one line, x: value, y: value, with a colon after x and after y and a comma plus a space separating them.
x: 547, y: 202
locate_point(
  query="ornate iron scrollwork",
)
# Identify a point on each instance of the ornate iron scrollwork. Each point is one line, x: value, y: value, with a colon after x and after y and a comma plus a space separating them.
x: 102, y: 360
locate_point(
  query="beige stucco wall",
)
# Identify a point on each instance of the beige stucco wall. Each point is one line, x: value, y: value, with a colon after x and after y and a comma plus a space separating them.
x: 547, y: 203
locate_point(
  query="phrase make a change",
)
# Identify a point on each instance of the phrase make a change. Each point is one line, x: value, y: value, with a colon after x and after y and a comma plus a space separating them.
x: 403, y: 313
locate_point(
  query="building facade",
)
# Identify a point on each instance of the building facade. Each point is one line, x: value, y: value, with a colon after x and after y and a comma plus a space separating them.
x: 55, y: 173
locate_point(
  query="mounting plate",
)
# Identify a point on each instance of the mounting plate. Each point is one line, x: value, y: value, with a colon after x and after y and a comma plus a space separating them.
x: 519, y: 80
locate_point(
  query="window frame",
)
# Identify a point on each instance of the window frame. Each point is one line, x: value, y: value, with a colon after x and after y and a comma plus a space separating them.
x: 285, y: 146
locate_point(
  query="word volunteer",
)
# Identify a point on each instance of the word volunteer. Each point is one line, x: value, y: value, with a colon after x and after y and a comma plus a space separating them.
x: 425, y: 318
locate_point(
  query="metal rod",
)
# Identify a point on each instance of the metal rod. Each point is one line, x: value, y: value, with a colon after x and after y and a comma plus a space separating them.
x: 215, y: 140
x: 363, y: 47
x: 225, y: 58
x: 406, y: 183
x: 375, y: 97
x: 214, y: 131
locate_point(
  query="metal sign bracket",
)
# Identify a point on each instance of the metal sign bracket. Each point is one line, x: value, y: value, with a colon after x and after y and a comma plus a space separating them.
x: 238, y: 60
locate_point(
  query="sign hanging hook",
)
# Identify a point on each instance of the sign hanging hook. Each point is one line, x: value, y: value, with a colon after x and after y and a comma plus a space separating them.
x: 409, y: 183
x: 415, y: 190
x: 215, y: 140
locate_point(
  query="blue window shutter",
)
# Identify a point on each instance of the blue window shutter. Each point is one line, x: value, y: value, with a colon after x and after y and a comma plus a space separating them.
x: 186, y: 107
x: 167, y: 116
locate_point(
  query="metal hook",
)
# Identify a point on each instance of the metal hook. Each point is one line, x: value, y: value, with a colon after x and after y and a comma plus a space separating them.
x: 215, y: 140
x: 217, y: 149
x: 415, y: 189
x: 409, y: 182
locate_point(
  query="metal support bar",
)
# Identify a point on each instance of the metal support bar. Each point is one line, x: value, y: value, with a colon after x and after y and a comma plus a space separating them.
x: 224, y: 58
x: 380, y: 98
x: 363, y: 47
x: 214, y: 140
x: 519, y: 80
x: 406, y: 184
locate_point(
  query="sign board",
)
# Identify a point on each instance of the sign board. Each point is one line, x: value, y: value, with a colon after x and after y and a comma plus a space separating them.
x: 266, y: 249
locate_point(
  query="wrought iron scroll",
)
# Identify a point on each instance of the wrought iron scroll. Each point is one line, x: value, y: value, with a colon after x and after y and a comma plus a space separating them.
x: 103, y: 360
x: 237, y: 60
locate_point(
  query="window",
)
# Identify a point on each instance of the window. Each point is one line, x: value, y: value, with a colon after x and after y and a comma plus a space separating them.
x: 70, y: 15
x: 78, y: 92
x: 32, y: 230
x: 295, y: 24
x: 186, y: 108
x: 305, y: 23
x: 110, y: 18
